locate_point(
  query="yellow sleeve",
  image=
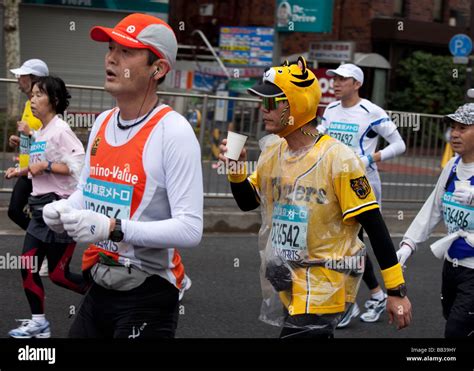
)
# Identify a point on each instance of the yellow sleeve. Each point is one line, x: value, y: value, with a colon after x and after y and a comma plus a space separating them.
x: 28, y: 117
x: 351, y: 186
x: 238, y: 175
x: 253, y: 180
x: 393, y: 276
x: 236, y: 171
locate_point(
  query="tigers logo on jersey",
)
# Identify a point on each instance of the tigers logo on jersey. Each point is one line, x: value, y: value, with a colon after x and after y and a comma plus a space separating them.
x: 95, y: 146
x: 361, y: 187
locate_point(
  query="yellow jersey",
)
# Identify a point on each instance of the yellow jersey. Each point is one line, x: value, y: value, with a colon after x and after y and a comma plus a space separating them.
x: 309, y: 201
x: 25, y: 140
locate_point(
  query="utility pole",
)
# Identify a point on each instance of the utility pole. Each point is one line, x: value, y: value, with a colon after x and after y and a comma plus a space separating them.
x: 276, y: 38
x: 11, y: 31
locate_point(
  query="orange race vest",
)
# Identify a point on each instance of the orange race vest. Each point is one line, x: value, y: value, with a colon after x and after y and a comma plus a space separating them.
x: 115, y: 187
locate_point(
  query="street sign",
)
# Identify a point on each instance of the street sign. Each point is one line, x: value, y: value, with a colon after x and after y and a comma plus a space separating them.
x: 304, y: 15
x: 153, y: 7
x: 326, y: 83
x: 246, y: 46
x: 331, y: 51
x: 460, y: 60
x: 460, y: 45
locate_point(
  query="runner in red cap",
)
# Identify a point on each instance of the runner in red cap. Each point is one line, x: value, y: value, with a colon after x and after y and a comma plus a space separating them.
x: 140, y: 194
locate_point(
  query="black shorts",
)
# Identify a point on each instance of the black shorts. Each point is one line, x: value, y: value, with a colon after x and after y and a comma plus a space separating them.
x: 37, y: 227
x: 147, y: 311
x: 320, y: 326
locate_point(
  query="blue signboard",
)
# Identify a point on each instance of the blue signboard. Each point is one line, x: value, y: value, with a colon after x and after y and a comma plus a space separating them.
x: 304, y: 15
x: 246, y: 46
x: 156, y: 6
x: 460, y: 45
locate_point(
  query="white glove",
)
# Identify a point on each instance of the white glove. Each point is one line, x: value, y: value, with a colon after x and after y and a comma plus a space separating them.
x: 86, y: 226
x: 52, y: 213
x: 464, y: 196
x: 403, y: 253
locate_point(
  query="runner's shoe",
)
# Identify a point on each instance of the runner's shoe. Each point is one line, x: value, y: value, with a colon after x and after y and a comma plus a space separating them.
x: 185, y: 285
x: 31, y: 329
x: 375, y: 308
x: 352, y: 312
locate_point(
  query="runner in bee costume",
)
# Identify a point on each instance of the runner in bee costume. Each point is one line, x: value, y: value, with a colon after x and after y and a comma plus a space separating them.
x: 314, y: 198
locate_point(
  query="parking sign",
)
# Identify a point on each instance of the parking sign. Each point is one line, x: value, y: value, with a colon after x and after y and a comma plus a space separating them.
x: 460, y: 45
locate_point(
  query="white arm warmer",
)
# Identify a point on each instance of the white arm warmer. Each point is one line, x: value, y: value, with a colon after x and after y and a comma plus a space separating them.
x: 396, y: 146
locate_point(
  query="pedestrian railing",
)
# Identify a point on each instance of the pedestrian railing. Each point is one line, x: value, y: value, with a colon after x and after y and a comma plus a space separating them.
x: 407, y: 178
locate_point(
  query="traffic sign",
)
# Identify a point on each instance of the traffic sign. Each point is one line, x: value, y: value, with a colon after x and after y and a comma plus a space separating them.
x: 460, y: 45
x: 460, y: 60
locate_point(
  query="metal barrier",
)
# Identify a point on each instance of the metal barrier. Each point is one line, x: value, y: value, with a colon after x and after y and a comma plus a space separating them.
x: 407, y: 178
x: 412, y: 176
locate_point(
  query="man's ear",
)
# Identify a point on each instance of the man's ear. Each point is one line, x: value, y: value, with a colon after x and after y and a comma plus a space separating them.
x: 161, y: 67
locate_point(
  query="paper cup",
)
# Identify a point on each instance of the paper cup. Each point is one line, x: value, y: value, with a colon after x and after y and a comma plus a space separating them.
x: 235, y: 143
x: 459, y: 184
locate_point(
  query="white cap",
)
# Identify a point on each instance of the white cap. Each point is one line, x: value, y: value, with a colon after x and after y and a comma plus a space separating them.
x: 348, y: 70
x: 32, y: 67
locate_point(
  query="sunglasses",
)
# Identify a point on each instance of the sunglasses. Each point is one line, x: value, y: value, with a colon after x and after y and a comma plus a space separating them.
x: 271, y: 103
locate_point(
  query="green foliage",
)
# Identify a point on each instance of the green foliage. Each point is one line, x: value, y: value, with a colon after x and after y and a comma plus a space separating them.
x: 428, y: 83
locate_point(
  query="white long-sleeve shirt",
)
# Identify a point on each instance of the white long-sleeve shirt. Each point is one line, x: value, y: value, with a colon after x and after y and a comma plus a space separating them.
x: 360, y: 126
x: 172, y: 161
x: 432, y: 211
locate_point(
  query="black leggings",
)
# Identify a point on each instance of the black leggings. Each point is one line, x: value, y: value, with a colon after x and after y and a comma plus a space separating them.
x: 18, y: 202
x: 147, y: 311
x: 369, y: 274
x: 59, y: 256
x: 457, y: 298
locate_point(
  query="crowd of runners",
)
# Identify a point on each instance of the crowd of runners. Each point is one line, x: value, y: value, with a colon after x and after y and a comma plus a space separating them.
x: 135, y: 196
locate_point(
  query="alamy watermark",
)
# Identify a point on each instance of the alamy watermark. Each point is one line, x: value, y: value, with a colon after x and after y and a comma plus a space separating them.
x: 9, y: 261
x: 78, y: 120
x: 28, y: 353
x: 236, y: 167
x: 351, y: 263
x: 406, y: 120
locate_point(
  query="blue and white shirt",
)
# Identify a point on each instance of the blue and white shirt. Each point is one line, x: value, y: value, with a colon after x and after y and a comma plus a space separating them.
x: 439, y: 206
x: 358, y: 126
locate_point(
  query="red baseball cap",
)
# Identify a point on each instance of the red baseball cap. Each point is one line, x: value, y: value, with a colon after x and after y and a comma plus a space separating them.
x: 141, y: 31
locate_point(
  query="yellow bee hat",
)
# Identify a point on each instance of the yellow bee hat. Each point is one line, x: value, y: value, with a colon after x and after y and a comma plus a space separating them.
x: 299, y: 85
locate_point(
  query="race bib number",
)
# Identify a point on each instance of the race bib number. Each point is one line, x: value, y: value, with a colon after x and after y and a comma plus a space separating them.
x: 25, y: 144
x: 111, y: 199
x: 344, y: 132
x: 457, y: 216
x: 37, y: 152
x: 289, y: 230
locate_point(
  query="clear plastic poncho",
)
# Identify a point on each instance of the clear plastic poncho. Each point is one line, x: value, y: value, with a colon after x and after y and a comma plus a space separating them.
x: 311, y: 259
